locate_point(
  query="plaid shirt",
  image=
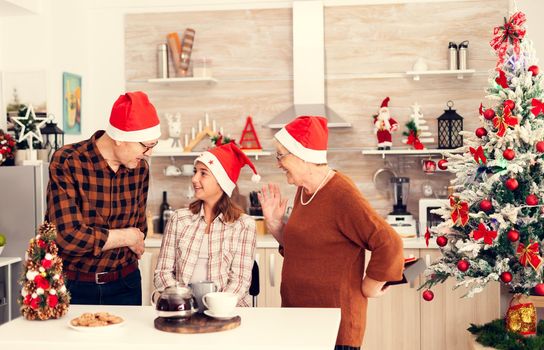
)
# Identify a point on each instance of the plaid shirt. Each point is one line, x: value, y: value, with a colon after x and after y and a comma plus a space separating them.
x: 231, y: 252
x: 85, y: 199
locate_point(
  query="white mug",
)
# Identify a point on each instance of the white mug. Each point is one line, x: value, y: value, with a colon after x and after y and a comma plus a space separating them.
x: 187, y: 169
x: 220, y: 303
x: 172, y: 170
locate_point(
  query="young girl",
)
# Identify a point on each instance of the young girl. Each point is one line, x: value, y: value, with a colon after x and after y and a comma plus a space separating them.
x: 212, y: 240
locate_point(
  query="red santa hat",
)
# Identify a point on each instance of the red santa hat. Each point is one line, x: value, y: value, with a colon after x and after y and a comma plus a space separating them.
x: 385, y: 102
x: 133, y: 119
x: 225, y: 163
x: 306, y: 137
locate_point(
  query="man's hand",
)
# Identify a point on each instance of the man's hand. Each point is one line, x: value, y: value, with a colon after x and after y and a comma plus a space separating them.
x: 130, y: 237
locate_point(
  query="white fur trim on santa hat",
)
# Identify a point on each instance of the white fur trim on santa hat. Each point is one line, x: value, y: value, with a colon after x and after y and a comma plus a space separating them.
x: 218, y: 171
x: 296, y: 148
x: 148, y: 134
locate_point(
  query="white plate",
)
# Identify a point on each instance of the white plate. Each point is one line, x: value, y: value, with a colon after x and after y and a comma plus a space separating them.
x: 96, y: 329
x: 220, y: 317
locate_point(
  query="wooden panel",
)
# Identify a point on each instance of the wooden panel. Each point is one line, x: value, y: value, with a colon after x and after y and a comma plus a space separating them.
x: 252, y: 59
x: 393, y: 319
x: 445, y: 319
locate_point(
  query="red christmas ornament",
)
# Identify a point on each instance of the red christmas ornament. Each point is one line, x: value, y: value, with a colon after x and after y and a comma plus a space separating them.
x: 27, y: 299
x: 428, y: 295
x: 52, y: 300
x: 485, y: 205
x: 534, y: 70
x: 512, y: 235
x: 489, y: 114
x: 443, y: 164
x: 539, y: 289
x: 441, y: 241
x: 41, y: 244
x: 540, y: 146
x: 41, y: 282
x: 531, y: 199
x: 510, y: 104
x: 508, y: 154
x: 35, y: 303
x: 506, y: 277
x: 46, y: 263
x: 481, y: 132
x: 511, y: 184
x: 463, y: 265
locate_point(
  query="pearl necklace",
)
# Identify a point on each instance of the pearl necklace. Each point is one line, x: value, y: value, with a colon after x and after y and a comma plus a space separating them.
x: 318, y: 188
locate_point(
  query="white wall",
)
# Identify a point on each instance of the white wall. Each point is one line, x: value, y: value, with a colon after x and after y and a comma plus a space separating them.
x: 87, y: 38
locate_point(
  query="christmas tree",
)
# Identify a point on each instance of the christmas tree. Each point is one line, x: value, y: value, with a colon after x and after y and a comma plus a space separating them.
x: 494, y: 225
x: 43, y: 293
x: 418, y: 133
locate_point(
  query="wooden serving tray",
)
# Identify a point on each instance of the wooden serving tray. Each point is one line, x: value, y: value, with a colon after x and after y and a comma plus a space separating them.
x: 198, y: 323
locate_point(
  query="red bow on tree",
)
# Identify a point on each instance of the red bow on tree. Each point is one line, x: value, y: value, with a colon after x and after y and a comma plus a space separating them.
x: 511, y: 32
x: 414, y: 140
x: 483, y: 232
x: 459, y: 212
x: 501, y: 79
x: 481, y: 109
x: 529, y: 255
x: 538, y: 107
x: 504, y: 121
x: 478, y: 154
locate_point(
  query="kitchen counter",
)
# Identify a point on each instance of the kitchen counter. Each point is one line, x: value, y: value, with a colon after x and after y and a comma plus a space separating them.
x: 261, y: 328
x: 268, y: 241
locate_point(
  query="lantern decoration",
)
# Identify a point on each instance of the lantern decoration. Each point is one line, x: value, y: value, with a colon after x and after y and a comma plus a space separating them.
x: 53, y: 138
x: 450, y: 125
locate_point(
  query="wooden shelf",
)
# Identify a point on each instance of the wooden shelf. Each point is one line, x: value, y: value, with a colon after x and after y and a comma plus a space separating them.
x: 406, y: 151
x: 459, y: 73
x: 180, y: 81
x: 180, y: 153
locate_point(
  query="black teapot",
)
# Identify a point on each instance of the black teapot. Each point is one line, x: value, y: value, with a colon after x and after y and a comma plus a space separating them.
x: 174, y: 303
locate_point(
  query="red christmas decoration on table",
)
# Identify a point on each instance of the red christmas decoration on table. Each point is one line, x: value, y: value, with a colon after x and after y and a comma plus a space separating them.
x: 463, y: 265
x: 384, y: 125
x: 539, y: 289
x: 534, y: 70
x: 481, y: 132
x: 443, y: 164
x: 43, y: 293
x: 506, y: 277
x: 249, y: 139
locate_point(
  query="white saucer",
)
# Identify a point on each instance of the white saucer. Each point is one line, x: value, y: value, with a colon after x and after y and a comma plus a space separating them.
x: 219, y: 317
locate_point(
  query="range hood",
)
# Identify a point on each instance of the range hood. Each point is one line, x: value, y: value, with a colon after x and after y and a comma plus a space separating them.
x: 308, y: 67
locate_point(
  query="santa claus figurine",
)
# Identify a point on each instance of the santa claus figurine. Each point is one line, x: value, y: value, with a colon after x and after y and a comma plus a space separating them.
x: 384, y: 125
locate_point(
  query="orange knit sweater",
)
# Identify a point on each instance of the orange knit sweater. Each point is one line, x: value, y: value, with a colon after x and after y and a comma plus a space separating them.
x: 324, y: 254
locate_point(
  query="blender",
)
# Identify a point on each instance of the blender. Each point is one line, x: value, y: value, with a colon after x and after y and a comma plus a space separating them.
x: 400, y: 219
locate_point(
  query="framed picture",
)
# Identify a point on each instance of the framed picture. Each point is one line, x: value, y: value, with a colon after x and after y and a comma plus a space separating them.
x: 71, y: 105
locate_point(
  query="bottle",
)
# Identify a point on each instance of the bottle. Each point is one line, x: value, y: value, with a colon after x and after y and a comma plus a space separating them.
x: 162, y: 61
x: 463, y: 55
x: 165, y: 207
x: 452, y: 56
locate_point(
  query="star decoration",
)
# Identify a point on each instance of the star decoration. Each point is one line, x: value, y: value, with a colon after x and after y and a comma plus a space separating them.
x: 37, y: 124
x: 210, y: 162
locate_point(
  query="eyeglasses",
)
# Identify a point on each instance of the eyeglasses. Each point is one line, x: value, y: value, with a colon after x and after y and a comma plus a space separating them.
x: 147, y: 148
x: 280, y: 156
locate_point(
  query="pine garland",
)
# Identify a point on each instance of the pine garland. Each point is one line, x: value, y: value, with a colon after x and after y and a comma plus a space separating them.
x: 495, y: 335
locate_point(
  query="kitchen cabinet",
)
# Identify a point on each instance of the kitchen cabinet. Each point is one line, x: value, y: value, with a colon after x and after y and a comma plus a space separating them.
x: 401, y: 319
x: 9, y: 275
x: 270, y: 263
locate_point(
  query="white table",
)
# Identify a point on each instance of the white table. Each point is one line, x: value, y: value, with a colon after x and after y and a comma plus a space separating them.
x: 261, y: 328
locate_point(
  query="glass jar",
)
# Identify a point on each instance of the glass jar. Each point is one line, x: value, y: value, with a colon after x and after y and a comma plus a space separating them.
x: 202, y: 67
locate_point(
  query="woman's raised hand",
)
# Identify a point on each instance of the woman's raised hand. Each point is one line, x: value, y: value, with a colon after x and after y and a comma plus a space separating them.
x: 273, y: 206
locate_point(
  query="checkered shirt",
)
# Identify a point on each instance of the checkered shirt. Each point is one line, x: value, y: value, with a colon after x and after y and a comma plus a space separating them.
x: 85, y: 199
x: 231, y: 252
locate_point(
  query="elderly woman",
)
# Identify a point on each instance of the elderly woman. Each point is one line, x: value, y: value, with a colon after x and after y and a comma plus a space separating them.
x: 324, y: 240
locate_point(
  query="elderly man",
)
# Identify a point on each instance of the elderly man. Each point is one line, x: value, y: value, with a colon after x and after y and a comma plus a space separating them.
x: 97, y: 197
